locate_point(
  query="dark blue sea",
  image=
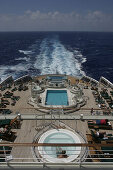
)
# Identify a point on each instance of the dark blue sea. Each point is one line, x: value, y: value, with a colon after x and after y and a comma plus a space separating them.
x: 72, y: 53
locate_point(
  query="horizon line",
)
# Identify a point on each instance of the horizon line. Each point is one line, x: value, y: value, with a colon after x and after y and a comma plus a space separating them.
x: 61, y: 31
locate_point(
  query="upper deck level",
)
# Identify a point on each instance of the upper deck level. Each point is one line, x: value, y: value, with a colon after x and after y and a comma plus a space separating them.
x: 37, y: 118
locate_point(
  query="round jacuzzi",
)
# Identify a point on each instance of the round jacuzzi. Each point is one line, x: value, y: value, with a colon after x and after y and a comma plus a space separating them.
x: 59, y: 136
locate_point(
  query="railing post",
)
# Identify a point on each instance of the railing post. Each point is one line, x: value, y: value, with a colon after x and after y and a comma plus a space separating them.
x: 76, y: 126
x: 51, y: 116
x: 19, y: 116
x: 80, y: 162
x: 59, y: 119
x: 76, y: 129
x: 81, y: 116
x: 44, y: 162
x: 5, y: 155
x: 44, y: 120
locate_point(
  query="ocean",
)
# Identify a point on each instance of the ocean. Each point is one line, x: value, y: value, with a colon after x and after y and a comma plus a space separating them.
x: 71, y: 53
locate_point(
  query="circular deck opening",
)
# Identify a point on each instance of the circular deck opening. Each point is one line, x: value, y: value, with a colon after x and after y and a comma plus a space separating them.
x: 59, y: 136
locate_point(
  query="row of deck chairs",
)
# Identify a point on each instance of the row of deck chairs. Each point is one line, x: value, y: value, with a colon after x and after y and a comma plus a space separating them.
x: 6, y: 86
x: 97, y: 153
x: 98, y: 98
x: 14, y: 123
x: 5, y: 102
x: 11, y: 124
x: 8, y: 135
x: 94, y: 126
x: 107, y: 97
x: 20, y: 88
x: 103, y: 153
x: 107, y: 139
x: 5, y: 111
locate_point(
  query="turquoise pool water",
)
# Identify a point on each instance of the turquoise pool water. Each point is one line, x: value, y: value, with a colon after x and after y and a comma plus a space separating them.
x: 59, y: 138
x: 56, y: 97
x: 56, y: 77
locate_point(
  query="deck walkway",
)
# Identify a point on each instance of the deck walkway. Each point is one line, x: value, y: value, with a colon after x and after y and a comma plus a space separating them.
x: 62, y: 117
x: 31, y: 118
x: 28, y: 131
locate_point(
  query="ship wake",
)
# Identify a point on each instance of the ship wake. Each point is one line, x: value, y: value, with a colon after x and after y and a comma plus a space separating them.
x: 47, y: 56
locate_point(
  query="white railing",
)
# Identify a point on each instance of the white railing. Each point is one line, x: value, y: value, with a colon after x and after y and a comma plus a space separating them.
x: 95, y: 157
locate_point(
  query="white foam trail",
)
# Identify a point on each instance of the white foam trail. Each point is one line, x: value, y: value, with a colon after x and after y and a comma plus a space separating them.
x: 24, y: 58
x: 13, y: 70
x: 61, y: 60
x: 80, y: 57
x: 52, y: 57
x: 18, y: 67
x: 84, y: 60
x: 26, y: 52
x: 3, y: 76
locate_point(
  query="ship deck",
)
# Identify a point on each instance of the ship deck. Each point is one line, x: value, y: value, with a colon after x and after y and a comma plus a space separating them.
x: 28, y: 129
x: 22, y: 105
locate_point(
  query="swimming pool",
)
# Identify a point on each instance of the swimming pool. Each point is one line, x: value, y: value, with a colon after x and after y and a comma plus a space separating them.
x: 56, y: 77
x: 56, y: 97
x: 59, y: 136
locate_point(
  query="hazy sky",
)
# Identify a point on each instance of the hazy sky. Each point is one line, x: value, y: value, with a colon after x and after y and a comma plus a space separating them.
x: 56, y: 15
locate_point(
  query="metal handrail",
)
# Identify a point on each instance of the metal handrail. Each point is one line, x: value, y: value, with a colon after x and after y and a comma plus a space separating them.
x: 37, y: 161
x: 55, y: 144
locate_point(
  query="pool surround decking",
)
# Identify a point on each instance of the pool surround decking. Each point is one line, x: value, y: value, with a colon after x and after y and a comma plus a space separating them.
x: 69, y: 95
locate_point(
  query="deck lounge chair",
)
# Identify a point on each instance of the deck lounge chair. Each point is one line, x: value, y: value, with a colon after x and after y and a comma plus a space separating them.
x: 14, y: 89
x: 6, y: 111
x: 107, y: 154
x: 11, y: 123
x: 8, y: 94
x: 7, y: 136
x: 94, y: 126
x: 4, y: 122
x: 108, y: 139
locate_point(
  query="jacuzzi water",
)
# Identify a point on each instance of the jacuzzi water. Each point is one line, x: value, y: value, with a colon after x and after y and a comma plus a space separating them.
x: 56, y: 97
x: 59, y: 136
